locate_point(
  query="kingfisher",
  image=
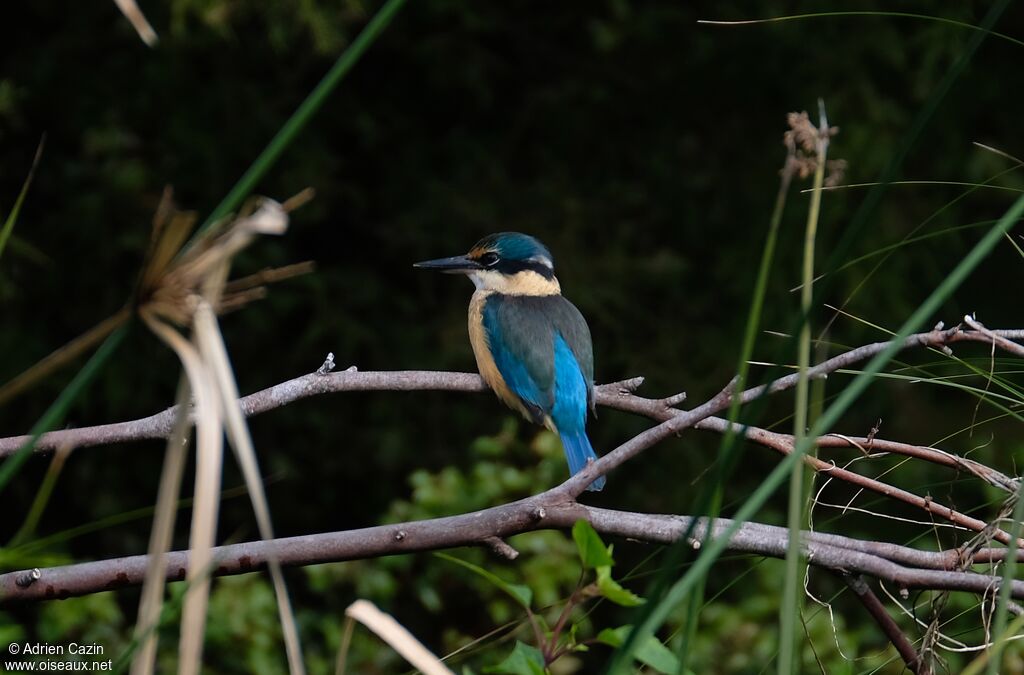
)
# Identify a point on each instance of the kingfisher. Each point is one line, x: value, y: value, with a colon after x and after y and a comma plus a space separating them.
x: 532, y: 346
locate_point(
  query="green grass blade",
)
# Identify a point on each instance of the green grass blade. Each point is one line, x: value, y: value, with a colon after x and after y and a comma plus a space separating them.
x: 59, y: 408
x: 838, y: 257
x: 1015, y: 245
x: 1009, y: 574
x: 29, y: 553
x: 866, y: 211
x: 710, y: 501
x: 949, y: 183
x: 910, y: 239
x: 889, y: 251
x: 12, y: 217
x: 42, y: 498
x: 729, y: 446
x: 898, y: 15
x: 304, y: 113
x: 988, y: 396
x: 518, y: 592
x: 791, y: 596
x: 993, y: 653
x: 849, y: 395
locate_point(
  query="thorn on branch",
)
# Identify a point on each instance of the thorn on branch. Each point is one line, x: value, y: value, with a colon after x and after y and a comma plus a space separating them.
x: 327, y: 366
x: 29, y: 578
x: 874, y: 432
x: 938, y: 337
x: 501, y: 547
x: 624, y: 387
x: 539, y: 514
x: 673, y: 400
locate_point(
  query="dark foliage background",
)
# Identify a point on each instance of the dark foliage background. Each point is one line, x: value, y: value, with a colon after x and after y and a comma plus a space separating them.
x: 643, y: 148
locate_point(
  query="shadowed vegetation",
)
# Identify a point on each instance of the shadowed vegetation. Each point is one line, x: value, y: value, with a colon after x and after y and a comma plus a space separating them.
x: 644, y: 149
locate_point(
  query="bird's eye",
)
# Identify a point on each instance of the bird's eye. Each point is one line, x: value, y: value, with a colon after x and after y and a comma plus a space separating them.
x: 489, y: 259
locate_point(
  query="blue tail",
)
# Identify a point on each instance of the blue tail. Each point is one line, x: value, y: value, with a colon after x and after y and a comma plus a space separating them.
x: 577, y: 451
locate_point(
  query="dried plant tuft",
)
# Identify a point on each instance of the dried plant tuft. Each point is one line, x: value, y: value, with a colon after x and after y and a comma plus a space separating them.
x: 802, y: 142
x: 173, y: 276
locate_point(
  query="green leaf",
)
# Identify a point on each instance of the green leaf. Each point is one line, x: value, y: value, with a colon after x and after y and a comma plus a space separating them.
x: 521, y: 594
x: 651, y: 652
x: 611, y: 589
x: 524, y: 660
x: 593, y: 552
x: 573, y: 638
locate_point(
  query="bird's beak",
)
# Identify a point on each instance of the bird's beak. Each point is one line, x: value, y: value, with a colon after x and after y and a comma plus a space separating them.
x: 454, y: 265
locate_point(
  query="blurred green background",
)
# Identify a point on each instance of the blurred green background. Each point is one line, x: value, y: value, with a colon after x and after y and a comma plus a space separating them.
x: 642, y: 147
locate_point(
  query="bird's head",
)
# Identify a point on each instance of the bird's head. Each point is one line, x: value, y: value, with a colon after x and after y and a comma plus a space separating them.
x: 506, y: 262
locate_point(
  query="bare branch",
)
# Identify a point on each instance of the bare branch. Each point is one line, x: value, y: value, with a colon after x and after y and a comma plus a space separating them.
x: 556, y: 508
x: 542, y: 512
x: 616, y: 395
x: 159, y: 425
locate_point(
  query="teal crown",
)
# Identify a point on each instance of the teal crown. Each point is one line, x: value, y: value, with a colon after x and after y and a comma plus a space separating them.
x: 514, y: 246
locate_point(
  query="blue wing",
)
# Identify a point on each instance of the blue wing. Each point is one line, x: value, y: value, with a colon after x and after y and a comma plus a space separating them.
x: 569, y: 410
x: 541, y: 347
x: 572, y: 393
x: 522, y: 334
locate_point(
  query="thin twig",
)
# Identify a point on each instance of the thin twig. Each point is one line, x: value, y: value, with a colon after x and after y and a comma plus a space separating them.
x: 997, y: 340
x: 785, y: 443
x: 892, y: 631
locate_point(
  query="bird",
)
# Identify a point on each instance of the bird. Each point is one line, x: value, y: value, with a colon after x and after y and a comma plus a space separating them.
x: 532, y: 346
